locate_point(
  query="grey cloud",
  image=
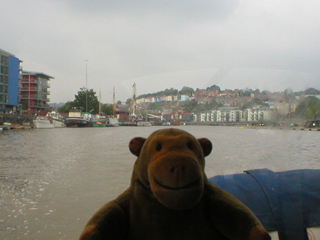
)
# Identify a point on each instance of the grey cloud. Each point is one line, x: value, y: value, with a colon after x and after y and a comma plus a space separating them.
x: 167, y: 43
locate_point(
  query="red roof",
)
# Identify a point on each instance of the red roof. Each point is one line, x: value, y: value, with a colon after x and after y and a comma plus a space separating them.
x: 183, y: 112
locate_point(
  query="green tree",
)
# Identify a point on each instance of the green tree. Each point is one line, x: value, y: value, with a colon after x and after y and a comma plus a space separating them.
x: 186, y: 91
x: 87, y: 99
x: 107, y: 109
x: 189, y: 106
x: 214, y: 87
x: 311, y: 91
x: 253, y: 103
x: 171, y: 91
x: 65, y: 108
x: 24, y: 105
x: 309, y: 108
x: 156, y: 106
x: 245, y: 93
x: 289, y: 95
x: 128, y: 102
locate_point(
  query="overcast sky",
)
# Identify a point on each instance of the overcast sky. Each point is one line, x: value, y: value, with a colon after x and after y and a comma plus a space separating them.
x: 266, y: 44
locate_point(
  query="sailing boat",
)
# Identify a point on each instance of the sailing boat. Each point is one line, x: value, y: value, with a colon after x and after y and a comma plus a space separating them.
x: 112, y: 121
x: 101, y: 119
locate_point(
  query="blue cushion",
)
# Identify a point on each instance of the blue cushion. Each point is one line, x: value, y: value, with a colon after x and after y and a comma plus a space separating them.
x: 287, y: 202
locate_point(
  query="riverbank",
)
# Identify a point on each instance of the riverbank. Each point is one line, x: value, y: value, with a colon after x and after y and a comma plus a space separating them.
x: 282, y: 128
x: 14, y: 127
x: 15, y: 119
x: 27, y: 126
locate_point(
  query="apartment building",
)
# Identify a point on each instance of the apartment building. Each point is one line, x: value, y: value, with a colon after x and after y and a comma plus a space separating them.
x: 232, y: 114
x: 9, y: 81
x: 258, y: 114
x: 223, y: 114
x: 34, y: 91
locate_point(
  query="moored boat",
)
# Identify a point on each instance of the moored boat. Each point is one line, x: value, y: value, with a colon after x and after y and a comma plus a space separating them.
x: 57, y: 119
x: 43, y: 122
x: 128, y: 124
x: 144, y: 124
x: 112, y: 122
x: 76, y: 118
x: 98, y: 124
x: 58, y: 123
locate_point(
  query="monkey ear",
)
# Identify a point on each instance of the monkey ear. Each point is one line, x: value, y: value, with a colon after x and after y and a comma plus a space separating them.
x: 136, y: 144
x: 206, y: 146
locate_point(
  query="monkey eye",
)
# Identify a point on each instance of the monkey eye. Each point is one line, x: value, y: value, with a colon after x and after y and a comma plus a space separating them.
x: 159, y: 147
x: 190, y: 145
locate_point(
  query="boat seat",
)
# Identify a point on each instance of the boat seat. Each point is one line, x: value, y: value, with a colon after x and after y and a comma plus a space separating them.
x: 287, y: 202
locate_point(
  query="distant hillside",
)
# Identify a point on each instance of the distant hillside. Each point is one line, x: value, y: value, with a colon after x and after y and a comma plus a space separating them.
x: 56, y: 105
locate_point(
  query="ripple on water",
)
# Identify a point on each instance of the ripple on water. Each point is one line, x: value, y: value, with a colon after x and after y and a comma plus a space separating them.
x: 52, y: 181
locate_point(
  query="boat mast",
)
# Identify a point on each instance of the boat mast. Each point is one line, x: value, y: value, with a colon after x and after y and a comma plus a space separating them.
x: 114, y: 102
x: 134, y: 106
x: 86, y: 86
x: 100, y: 102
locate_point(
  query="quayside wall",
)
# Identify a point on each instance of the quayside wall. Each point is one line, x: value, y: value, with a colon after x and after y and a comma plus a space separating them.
x: 17, y: 119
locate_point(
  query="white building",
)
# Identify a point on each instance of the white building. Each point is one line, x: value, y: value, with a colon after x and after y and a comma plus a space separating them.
x: 231, y: 114
x: 256, y: 114
x: 225, y: 114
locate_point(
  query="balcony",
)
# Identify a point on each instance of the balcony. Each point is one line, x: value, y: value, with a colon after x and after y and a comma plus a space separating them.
x: 29, y: 97
x: 37, y: 106
x: 29, y: 89
x: 48, y: 85
x: 29, y: 80
x: 48, y: 92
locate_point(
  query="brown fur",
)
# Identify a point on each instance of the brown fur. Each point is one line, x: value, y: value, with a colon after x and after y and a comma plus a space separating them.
x: 170, y: 197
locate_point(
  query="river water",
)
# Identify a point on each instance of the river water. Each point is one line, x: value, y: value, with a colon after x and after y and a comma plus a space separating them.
x: 53, y: 180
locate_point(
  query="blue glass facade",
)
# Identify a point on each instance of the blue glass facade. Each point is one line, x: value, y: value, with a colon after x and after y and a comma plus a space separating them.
x: 9, y: 81
x: 14, y: 66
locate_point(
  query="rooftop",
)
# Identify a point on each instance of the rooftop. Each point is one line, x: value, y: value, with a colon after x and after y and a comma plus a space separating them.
x: 39, y: 74
x: 7, y: 53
